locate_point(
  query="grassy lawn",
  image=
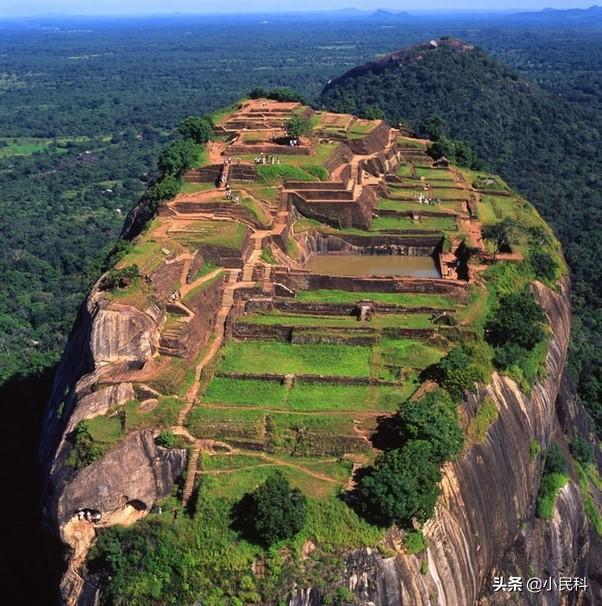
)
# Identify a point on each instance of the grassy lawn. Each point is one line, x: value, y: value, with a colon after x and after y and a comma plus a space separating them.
x: 486, y: 212
x: 193, y: 188
x: 175, y: 376
x: 448, y: 193
x: 319, y: 397
x: 245, y: 392
x: 283, y: 358
x: 405, y: 223
x: 206, y: 268
x: 109, y: 429
x: 407, y: 205
x: 405, y: 170
x: 409, y: 353
x: 147, y: 255
x: 434, y: 173
x: 276, y: 173
x: 390, y: 298
x: 323, y: 397
x: 197, y: 290
x: 138, y: 294
x: 216, y: 233
x: 256, y: 210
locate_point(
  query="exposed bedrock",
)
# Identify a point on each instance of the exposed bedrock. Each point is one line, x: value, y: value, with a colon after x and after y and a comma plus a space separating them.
x: 106, y: 338
x: 487, y: 503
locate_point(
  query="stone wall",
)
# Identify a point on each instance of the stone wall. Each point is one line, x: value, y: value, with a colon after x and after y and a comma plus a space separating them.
x: 374, y: 141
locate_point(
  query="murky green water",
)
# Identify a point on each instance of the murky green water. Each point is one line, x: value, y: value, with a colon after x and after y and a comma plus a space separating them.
x: 373, y: 265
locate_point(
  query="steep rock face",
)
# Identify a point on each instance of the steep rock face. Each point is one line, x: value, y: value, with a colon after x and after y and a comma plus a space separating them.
x: 136, y: 471
x: 486, y: 496
x: 106, y: 337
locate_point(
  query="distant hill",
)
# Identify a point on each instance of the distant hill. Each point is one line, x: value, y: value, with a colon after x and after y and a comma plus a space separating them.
x: 541, y: 145
x: 590, y: 16
x: 384, y: 15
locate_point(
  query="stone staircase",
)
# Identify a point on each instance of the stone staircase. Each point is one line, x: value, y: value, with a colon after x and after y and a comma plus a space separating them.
x: 191, y: 474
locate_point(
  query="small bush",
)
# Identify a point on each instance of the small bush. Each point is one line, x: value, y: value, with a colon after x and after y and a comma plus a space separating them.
x: 551, y: 483
x: 165, y: 189
x: 166, y: 439
x: 581, y: 450
x: 486, y: 415
x: 544, y: 265
x: 83, y: 451
x: 534, y: 449
x: 120, y: 278
x: 555, y: 461
x: 197, y: 128
x: 414, y: 541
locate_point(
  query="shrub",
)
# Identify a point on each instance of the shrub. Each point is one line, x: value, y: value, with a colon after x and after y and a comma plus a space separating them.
x: 166, y: 439
x: 373, y: 113
x: 271, y: 513
x: 581, y: 450
x: 402, y: 485
x: 166, y: 568
x: 84, y: 451
x: 534, y: 449
x: 555, y: 461
x: 120, y: 278
x: 434, y: 127
x: 414, y: 541
x: 486, y: 415
x: 544, y: 265
x: 551, y: 483
x: 433, y: 418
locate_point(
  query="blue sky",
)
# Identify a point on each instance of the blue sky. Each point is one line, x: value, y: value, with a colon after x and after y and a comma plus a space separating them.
x: 108, y: 7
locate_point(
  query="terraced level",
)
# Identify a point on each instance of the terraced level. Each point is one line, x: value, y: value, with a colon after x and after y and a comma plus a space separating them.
x: 266, y: 357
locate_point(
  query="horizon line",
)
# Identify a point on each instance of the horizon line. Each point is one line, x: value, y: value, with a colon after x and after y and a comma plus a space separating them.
x: 349, y: 11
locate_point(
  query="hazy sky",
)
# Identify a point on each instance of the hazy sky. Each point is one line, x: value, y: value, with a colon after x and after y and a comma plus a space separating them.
x: 80, y: 7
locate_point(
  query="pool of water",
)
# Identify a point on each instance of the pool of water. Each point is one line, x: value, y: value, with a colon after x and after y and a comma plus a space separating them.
x: 373, y: 265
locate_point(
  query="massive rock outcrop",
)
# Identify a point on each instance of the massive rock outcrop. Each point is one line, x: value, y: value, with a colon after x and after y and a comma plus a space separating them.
x: 484, y: 523
x: 124, y: 484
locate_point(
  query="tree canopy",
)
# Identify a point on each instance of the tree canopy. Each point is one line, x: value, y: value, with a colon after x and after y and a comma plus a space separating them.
x: 272, y: 512
x: 401, y: 486
x: 197, y: 128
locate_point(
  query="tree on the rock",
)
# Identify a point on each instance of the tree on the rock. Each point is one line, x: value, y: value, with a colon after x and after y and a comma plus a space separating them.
x: 402, y: 486
x: 518, y: 320
x: 272, y: 512
x: 374, y: 113
x: 178, y: 157
x: 298, y: 127
x: 433, y: 418
x: 458, y: 373
x: 499, y: 236
x: 197, y: 128
x: 434, y: 127
x: 164, y: 189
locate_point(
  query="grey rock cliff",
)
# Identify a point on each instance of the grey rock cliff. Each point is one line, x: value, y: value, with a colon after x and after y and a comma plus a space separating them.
x: 486, y: 508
